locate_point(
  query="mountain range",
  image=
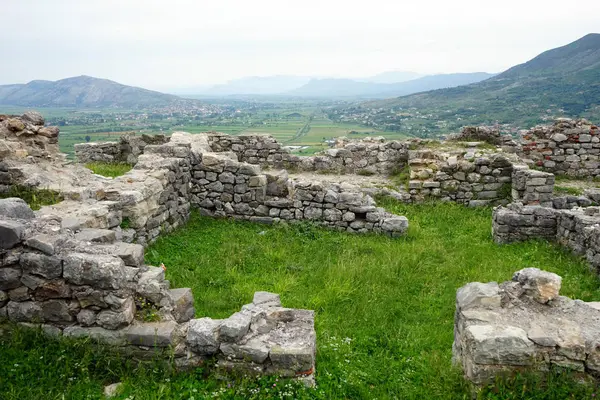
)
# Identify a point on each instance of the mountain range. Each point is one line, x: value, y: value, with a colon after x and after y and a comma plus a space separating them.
x: 84, y: 92
x: 385, y: 84
x: 566, y: 78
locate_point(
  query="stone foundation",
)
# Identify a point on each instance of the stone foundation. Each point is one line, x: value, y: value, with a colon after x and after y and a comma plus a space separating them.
x: 524, y: 325
x: 578, y: 229
x: 83, y: 282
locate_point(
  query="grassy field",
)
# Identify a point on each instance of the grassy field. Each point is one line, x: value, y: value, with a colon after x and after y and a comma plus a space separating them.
x: 111, y: 170
x: 384, y: 310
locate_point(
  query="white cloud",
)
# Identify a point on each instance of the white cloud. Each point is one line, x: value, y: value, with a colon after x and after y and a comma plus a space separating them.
x: 165, y: 44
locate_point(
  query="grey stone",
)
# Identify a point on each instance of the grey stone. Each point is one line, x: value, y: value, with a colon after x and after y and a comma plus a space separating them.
x: 10, y: 278
x: 292, y: 360
x: 45, y: 243
x: 395, y: 224
x: 235, y: 327
x: 56, y: 311
x: 115, y: 319
x: 11, y: 234
x: 104, y: 272
x: 266, y: 299
x: 153, y: 334
x: 132, y: 254
x: 14, y: 207
x: 151, y: 284
x: 34, y: 118
x: 183, y: 304
x: 19, y: 294
x: 112, y: 337
x: 26, y: 311
x: 86, y: 317
x: 96, y: 235
x: 42, y: 265
x: 506, y: 345
x: 112, y: 390
x: 203, y: 336
x: 478, y: 295
x: 540, y: 285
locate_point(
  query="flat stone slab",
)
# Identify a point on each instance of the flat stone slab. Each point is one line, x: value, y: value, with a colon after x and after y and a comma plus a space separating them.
x: 153, y: 334
x: 96, y: 235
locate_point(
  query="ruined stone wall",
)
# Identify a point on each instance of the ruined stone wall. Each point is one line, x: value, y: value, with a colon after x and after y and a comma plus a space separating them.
x: 223, y: 187
x: 462, y: 178
x: 26, y: 137
x: 524, y: 325
x: 530, y: 186
x: 569, y: 147
x: 84, y: 282
x: 126, y: 150
x: 369, y: 156
x: 578, y: 229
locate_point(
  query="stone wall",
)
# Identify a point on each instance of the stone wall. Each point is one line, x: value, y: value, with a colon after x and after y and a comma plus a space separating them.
x: 462, y: 177
x: 26, y: 138
x: 126, y: 150
x: 568, y: 147
x: 578, y: 229
x: 83, y: 282
x: 223, y: 187
x: 530, y: 186
x: 369, y: 156
x: 524, y: 325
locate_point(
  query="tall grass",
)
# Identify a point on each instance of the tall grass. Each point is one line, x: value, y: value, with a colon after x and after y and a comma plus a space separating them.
x: 384, y: 307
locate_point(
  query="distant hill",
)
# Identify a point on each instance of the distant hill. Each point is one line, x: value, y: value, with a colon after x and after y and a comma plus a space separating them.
x: 257, y: 85
x: 391, y: 77
x: 82, y: 91
x: 340, y: 88
x: 566, y: 78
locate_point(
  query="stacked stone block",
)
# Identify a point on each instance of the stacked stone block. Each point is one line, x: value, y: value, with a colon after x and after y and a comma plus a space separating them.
x: 474, y: 181
x: 223, y: 187
x: 126, y: 150
x: 568, y: 147
x: 530, y: 186
x: 524, y: 325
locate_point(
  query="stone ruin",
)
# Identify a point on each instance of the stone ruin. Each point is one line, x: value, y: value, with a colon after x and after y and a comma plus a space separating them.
x: 126, y: 150
x: 77, y: 268
x: 524, y: 325
x: 85, y: 282
x: 568, y: 147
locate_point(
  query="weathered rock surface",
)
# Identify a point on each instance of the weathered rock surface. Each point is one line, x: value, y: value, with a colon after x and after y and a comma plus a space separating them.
x: 531, y: 327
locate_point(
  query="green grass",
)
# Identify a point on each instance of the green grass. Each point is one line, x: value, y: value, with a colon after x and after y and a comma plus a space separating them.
x: 36, y: 198
x: 384, y: 309
x: 568, y: 190
x: 111, y: 170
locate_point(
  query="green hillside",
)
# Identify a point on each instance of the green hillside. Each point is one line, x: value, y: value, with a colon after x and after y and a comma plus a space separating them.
x: 562, y: 81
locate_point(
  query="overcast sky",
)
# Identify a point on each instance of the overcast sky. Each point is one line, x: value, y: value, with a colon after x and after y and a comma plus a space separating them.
x: 172, y: 44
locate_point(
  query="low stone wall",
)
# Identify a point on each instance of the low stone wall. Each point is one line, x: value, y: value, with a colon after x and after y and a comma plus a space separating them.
x: 222, y: 187
x: 368, y: 156
x: 578, y: 229
x: 126, y: 150
x: 569, y: 147
x: 524, y: 325
x: 461, y: 178
x: 83, y: 282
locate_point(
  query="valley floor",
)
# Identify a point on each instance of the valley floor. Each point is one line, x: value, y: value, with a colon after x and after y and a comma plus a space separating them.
x: 384, y: 310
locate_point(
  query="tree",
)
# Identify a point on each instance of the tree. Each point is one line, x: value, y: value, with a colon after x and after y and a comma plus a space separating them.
x: 88, y: 138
